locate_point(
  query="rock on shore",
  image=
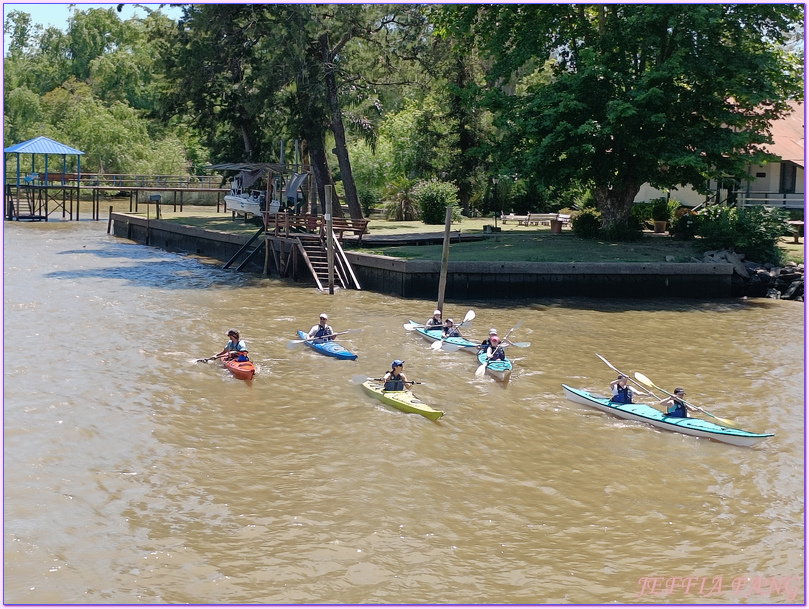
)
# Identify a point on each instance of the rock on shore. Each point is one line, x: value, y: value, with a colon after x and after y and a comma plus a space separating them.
x: 762, y: 279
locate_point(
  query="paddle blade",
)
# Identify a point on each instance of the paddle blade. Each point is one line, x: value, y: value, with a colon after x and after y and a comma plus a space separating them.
x: 450, y: 348
x: 410, y: 327
x: 608, y: 364
x: 293, y: 343
x: 470, y: 315
x: 359, y: 379
x: 521, y: 345
x: 437, y: 345
x: 480, y: 371
x: 645, y: 380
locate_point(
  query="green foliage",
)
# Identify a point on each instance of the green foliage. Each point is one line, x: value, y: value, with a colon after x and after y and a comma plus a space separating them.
x: 399, y: 200
x: 631, y: 230
x: 586, y: 223
x: 433, y: 197
x: 685, y: 225
x: 661, y: 211
x: 368, y: 200
x: 753, y: 231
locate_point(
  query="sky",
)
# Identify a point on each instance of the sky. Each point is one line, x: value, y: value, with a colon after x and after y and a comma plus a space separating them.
x: 57, y: 14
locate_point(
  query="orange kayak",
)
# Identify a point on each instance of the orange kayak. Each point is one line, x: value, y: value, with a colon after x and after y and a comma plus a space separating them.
x: 241, y: 370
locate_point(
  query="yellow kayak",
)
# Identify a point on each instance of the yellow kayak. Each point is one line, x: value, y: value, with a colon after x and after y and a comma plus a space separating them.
x: 403, y: 400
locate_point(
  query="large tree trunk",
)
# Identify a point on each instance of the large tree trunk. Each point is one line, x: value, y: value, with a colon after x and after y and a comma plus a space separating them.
x: 615, y: 203
x: 341, y: 149
x: 320, y: 168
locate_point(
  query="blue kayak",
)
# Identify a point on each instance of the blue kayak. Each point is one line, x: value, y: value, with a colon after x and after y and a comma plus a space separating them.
x: 499, y: 369
x: 328, y: 347
x: 686, y: 425
x: 434, y: 335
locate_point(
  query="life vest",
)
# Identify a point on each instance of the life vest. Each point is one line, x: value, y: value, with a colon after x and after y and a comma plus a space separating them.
x: 324, y: 331
x: 623, y: 395
x: 394, y: 383
x: 679, y: 410
x: 497, y: 354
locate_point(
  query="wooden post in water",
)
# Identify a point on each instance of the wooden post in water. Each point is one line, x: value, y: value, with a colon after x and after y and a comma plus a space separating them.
x: 442, y: 281
x: 329, y: 240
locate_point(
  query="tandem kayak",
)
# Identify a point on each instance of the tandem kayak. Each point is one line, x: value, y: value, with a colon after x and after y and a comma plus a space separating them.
x: 328, y: 347
x: 403, y: 400
x: 434, y: 335
x: 245, y: 370
x: 499, y: 369
x: 647, y: 414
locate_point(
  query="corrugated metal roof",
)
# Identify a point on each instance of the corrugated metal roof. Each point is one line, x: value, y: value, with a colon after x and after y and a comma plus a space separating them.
x: 42, y: 145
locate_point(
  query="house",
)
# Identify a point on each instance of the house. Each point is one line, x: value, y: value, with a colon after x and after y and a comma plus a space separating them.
x: 775, y: 184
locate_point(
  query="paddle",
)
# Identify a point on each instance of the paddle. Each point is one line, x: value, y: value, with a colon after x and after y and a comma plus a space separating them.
x: 358, y: 379
x: 642, y: 388
x: 438, y: 345
x: 646, y: 381
x: 207, y: 359
x: 292, y: 343
x: 481, y: 370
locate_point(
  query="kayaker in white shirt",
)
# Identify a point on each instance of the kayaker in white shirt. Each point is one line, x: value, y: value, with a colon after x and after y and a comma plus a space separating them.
x: 621, y: 392
x: 235, y: 347
x: 322, y: 330
x: 435, y: 321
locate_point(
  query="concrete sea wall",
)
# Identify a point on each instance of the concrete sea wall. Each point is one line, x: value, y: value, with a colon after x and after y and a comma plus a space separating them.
x: 466, y: 280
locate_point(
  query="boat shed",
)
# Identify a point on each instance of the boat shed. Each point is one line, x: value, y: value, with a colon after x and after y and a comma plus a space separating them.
x: 41, y: 146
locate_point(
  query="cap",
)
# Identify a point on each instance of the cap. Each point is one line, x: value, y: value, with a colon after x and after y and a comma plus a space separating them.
x: 492, y: 331
x: 449, y: 320
x: 437, y: 312
x: 494, y: 337
x: 397, y: 362
x: 324, y: 316
x: 622, y: 376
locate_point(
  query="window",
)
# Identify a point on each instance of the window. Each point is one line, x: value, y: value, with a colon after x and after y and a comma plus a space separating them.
x: 788, y: 175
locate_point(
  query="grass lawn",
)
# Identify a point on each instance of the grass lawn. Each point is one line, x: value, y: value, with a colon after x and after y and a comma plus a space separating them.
x: 513, y: 243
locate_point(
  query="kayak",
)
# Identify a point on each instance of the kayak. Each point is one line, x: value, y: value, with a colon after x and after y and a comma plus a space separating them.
x: 403, y: 400
x: 647, y: 414
x: 499, y: 369
x: 241, y: 370
x: 434, y: 335
x: 328, y: 347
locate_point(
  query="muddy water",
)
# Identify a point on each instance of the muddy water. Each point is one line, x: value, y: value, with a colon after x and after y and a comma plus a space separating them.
x: 133, y: 475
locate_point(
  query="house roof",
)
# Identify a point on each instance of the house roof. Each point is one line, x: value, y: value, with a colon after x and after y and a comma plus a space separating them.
x: 788, y: 136
x: 42, y: 145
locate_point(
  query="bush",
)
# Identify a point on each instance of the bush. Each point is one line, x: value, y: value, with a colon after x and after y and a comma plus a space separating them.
x: 632, y: 230
x: 660, y: 210
x: 432, y: 199
x: 368, y: 200
x: 685, y: 225
x: 753, y: 231
x: 586, y: 223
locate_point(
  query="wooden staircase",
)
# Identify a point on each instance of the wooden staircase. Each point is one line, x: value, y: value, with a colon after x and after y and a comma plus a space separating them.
x: 313, y: 248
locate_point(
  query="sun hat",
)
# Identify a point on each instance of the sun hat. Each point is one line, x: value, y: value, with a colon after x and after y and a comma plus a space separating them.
x: 449, y: 320
x: 437, y: 312
x: 324, y: 316
x: 492, y: 331
x: 396, y: 362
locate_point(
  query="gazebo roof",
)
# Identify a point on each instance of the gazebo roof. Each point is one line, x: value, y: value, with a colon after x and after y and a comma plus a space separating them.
x: 41, y: 145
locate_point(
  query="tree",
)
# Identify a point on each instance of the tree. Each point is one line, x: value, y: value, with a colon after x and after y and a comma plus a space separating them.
x: 665, y: 94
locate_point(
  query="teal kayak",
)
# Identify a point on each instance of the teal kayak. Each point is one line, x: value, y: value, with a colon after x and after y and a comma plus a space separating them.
x: 647, y: 414
x: 499, y: 369
x: 434, y: 335
x: 327, y: 347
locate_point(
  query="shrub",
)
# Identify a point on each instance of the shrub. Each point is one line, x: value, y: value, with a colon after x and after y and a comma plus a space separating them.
x: 399, y: 202
x: 753, y: 231
x: 586, y: 223
x: 632, y: 230
x: 660, y: 210
x: 368, y: 200
x: 433, y: 197
x: 685, y: 224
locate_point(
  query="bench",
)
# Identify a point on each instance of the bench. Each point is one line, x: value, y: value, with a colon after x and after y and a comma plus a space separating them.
x: 796, y: 226
x: 518, y: 219
x: 538, y: 219
x: 359, y: 226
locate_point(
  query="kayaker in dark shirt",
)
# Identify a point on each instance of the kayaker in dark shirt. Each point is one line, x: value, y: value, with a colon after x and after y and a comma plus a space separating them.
x: 675, y: 406
x: 495, y: 350
x: 434, y: 322
x: 621, y: 392
x: 394, y: 379
x: 450, y: 329
x: 322, y: 330
x: 487, y: 342
x: 235, y: 347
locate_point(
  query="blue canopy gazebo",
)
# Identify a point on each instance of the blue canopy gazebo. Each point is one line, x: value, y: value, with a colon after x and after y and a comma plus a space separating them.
x: 38, y: 146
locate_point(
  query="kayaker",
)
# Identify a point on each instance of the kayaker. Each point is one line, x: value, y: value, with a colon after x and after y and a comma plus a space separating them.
x: 322, y: 330
x: 394, y: 379
x: 487, y: 342
x: 675, y: 406
x: 450, y: 329
x: 621, y: 392
x: 495, y: 351
x: 235, y: 347
x: 435, y: 321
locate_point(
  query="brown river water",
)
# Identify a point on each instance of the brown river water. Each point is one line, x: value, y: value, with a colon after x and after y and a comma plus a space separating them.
x: 133, y: 475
